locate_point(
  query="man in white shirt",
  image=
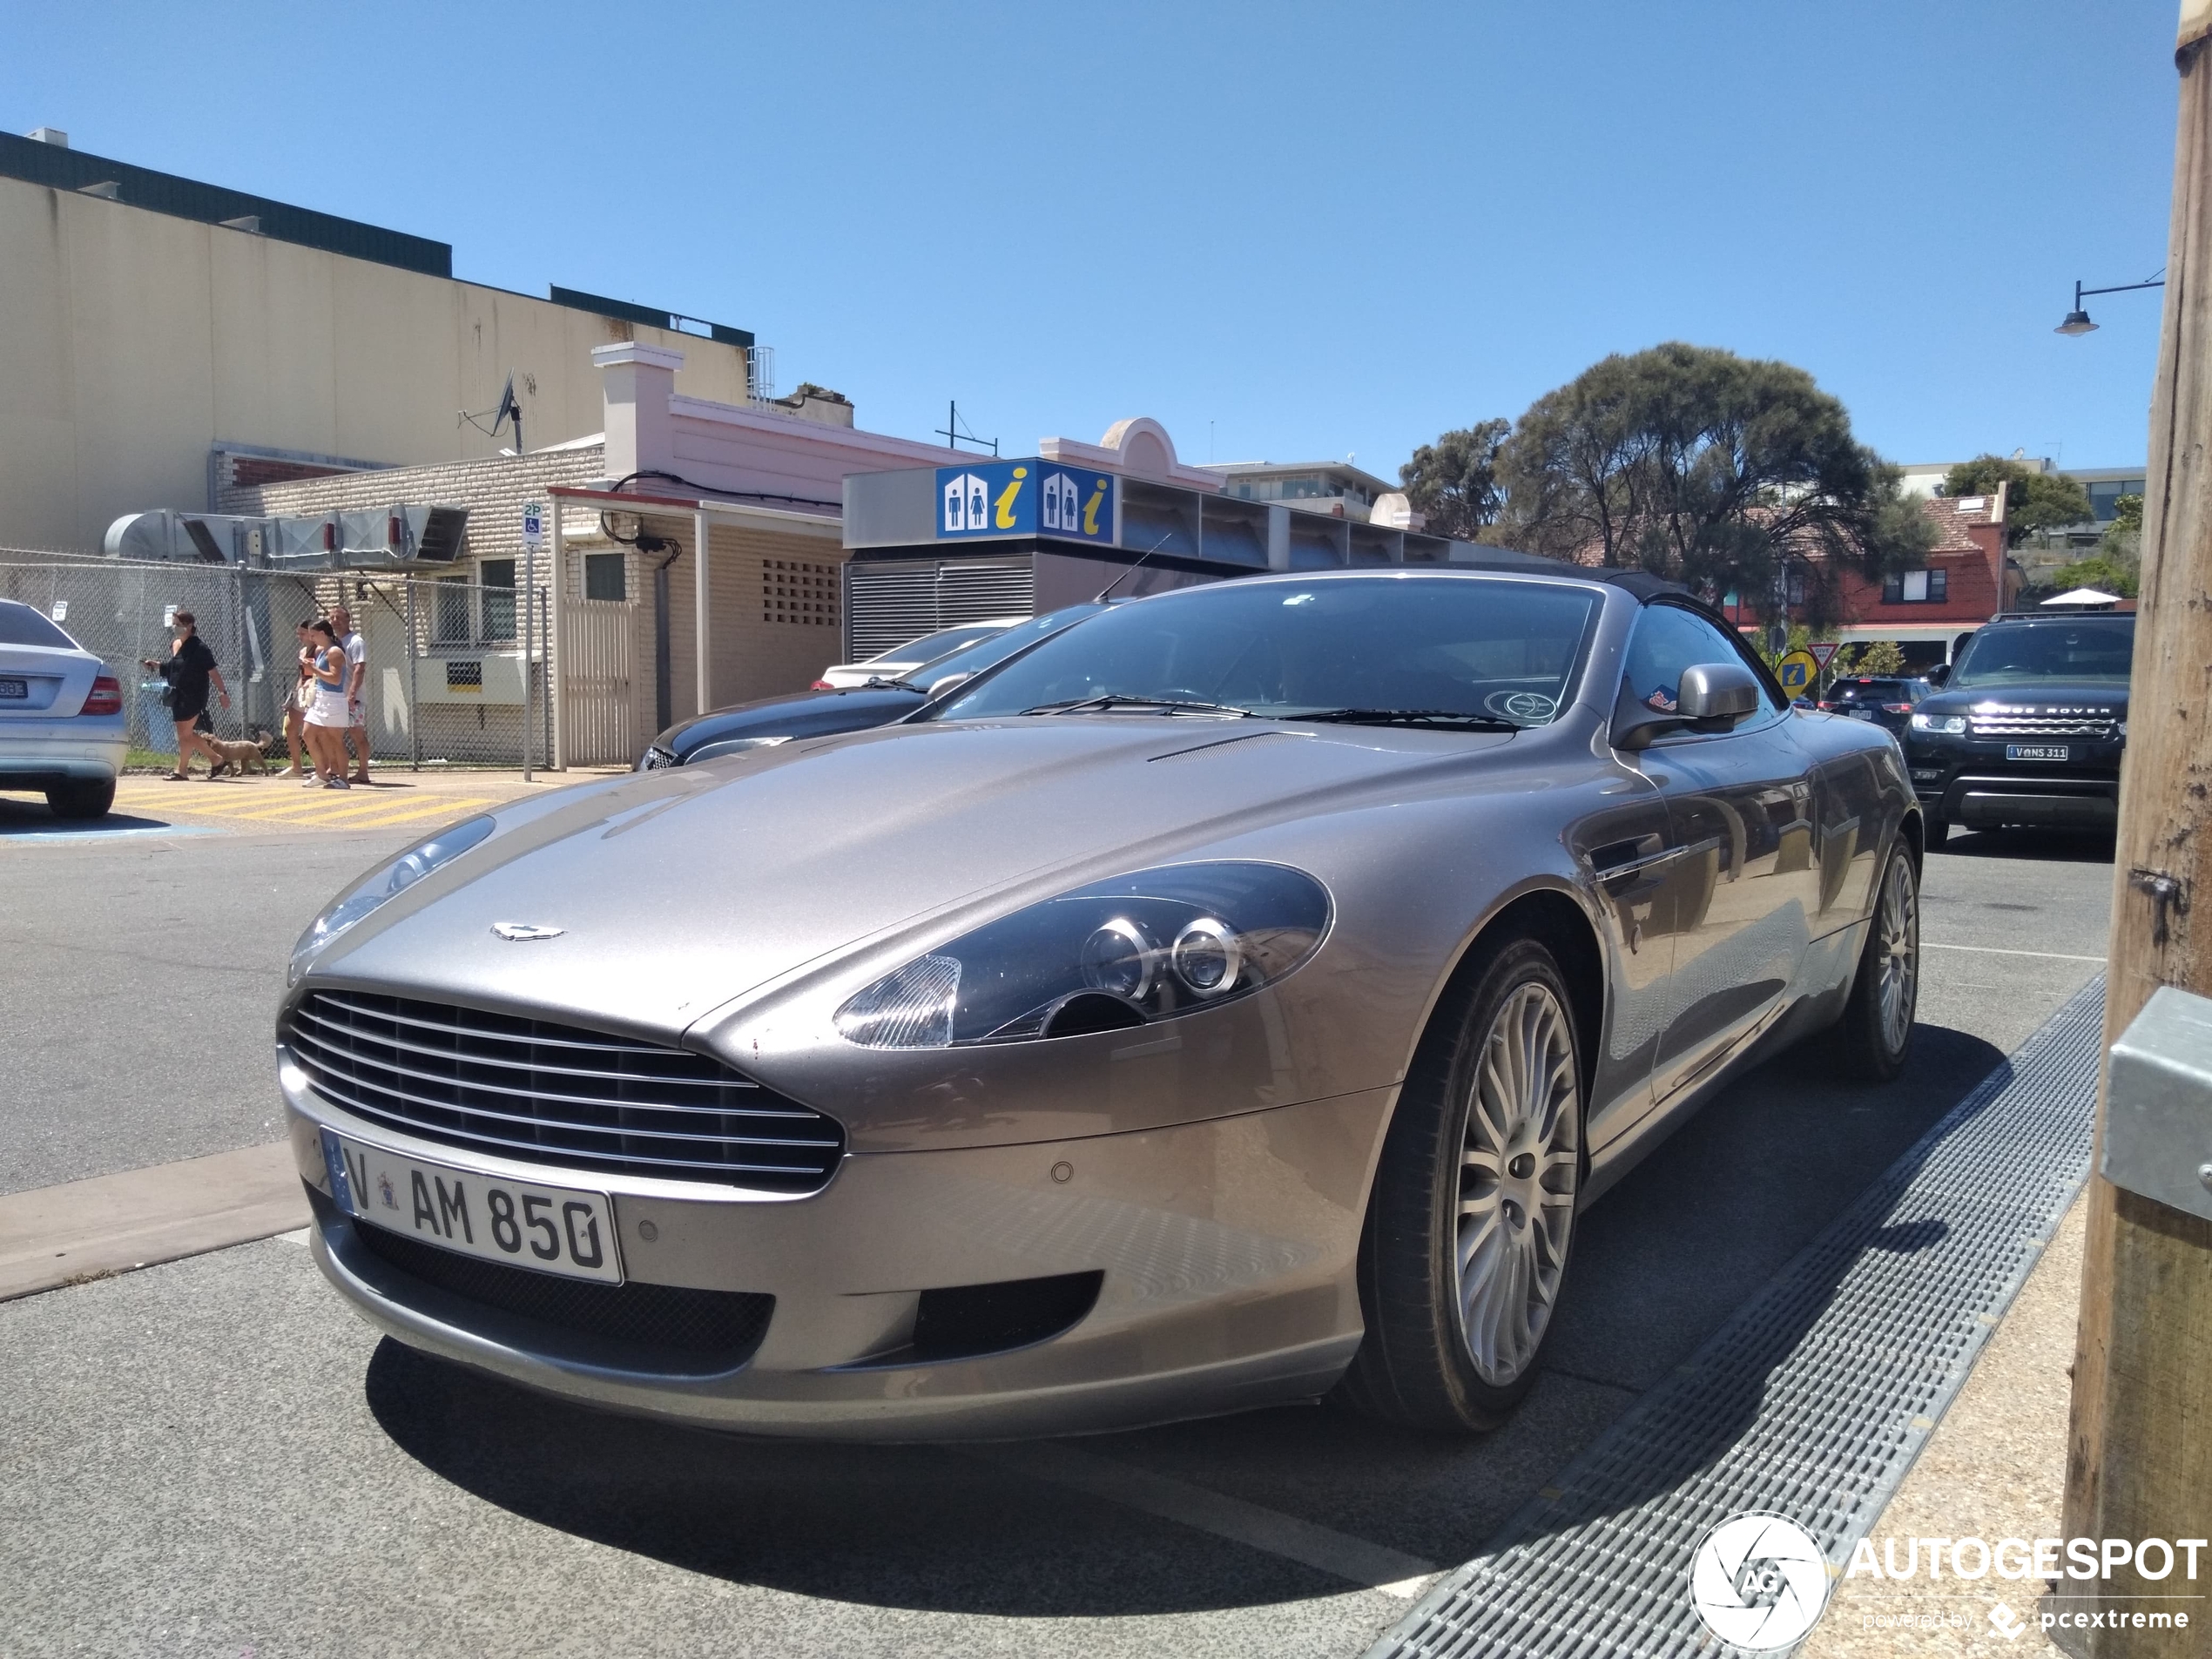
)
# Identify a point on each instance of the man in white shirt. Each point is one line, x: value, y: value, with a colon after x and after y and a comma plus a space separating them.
x: 356, y: 687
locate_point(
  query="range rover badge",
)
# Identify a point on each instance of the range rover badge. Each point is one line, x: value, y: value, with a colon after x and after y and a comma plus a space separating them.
x: 522, y: 931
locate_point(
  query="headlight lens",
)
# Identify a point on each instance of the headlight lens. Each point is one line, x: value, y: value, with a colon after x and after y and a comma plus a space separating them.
x: 1950, y: 725
x: 1143, y: 946
x: 388, y: 881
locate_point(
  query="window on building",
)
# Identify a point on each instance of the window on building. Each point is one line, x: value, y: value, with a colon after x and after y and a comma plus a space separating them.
x: 498, y: 578
x: 2105, y: 493
x: 605, y: 576
x: 450, y: 618
x: 1916, y: 587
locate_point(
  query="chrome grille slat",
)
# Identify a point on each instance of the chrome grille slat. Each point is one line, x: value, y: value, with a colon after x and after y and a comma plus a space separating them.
x: 556, y: 1094
x: 539, y: 1094
x: 527, y: 1065
x: 2101, y: 728
x: 610, y: 1045
x: 533, y: 1148
x: 627, y: 1130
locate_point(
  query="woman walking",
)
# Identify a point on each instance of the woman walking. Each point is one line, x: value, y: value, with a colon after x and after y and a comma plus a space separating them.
x: 190, y: 668
x: 301, y: 699
x: 326, y: 720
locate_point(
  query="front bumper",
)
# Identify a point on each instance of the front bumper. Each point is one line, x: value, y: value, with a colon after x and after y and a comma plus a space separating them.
x: 39, y: 754
x: 1968, y: 781
x: 1226, y: 1250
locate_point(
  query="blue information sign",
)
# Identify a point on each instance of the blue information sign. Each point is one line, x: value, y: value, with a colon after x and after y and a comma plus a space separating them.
x: 1028, y: 497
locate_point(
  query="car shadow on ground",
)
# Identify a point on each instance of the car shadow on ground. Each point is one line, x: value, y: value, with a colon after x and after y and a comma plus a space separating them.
x: 20, y: 816
x: 2046, y: 846
x: 1661, y: 1262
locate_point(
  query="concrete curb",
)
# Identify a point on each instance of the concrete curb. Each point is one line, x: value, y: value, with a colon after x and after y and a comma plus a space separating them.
x: 82, y: 1230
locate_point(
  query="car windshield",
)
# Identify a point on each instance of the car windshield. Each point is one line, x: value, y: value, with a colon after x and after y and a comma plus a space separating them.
x: 21, y: 625
x: 994, y: 649
x: 930, y: 646
x: 1482, y: 651
x: 1872, y: 691
x: 2091, y: 649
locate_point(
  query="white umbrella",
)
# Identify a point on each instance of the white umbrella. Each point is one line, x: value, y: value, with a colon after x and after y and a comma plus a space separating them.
x: 2080, y: 598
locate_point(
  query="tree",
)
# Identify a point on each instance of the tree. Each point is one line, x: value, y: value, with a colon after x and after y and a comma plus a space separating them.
x: 2122, y: 541
x: 1454, y: 480
x: 2034, y: 500
x: 2107, y: 575
x: 1716, y: 470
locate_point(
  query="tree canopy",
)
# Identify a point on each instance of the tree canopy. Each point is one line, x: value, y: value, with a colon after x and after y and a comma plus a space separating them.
x: 1714, y: 471
x: 2034, y: 500
x: 1454, y: 481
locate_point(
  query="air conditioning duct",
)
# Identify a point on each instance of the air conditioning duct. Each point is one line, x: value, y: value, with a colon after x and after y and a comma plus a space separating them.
x: 395, y: 537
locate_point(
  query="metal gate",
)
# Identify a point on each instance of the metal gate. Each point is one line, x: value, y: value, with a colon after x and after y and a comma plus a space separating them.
x: 889, y: 602
x: 598, y: 711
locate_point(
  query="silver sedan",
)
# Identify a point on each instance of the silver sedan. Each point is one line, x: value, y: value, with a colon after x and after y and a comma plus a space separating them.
x: 1233, y: 1000
x: 62, y: 729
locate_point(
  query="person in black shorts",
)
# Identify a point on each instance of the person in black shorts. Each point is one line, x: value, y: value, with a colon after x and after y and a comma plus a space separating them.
x: 189, y: 669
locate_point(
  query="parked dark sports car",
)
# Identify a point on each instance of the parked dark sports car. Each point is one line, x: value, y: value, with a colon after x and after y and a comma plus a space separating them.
x: 1231, y: 999
x: 823, y: 713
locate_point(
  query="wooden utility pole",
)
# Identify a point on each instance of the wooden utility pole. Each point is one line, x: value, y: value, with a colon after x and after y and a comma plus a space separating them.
x: 2140, y: 1454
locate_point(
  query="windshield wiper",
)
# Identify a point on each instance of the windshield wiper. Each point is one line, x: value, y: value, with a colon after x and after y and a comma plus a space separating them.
x: 1113, y: 700
x: 1407, y: 717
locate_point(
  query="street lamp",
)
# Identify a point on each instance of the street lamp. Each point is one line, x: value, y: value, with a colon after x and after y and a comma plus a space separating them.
x: 2077, y: 321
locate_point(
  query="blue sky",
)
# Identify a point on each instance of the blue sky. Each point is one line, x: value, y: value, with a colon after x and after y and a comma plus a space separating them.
x: 1286, y: 231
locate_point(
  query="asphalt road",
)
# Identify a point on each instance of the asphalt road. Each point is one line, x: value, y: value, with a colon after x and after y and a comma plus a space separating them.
x: 213, y: 1457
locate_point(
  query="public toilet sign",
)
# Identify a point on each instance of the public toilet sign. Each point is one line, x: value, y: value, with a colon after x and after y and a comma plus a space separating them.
x: 1029, y: 497
x: 533, y: 527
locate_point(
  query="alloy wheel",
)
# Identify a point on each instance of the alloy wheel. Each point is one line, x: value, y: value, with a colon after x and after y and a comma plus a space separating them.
x: 1897, y: 954
x: 1519, y: 1168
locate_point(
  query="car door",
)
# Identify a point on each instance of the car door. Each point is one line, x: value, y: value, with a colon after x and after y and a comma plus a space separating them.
x: 1742, y: 821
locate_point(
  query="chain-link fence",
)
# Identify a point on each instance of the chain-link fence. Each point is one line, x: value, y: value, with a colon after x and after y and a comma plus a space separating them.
x: 449, y: 681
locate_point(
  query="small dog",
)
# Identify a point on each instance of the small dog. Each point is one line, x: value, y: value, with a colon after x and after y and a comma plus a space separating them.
x: 238, y: 758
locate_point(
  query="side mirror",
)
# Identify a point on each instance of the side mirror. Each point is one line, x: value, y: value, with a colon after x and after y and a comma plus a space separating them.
x: 1715, y: 696
x: 938, y: 688
x: 1939, y: 675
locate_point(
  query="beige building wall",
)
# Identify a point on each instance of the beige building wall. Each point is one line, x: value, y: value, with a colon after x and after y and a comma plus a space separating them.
x: 131, y: 342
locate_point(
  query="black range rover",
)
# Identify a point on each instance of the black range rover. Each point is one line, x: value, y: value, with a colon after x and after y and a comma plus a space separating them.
x: 2029, y: 727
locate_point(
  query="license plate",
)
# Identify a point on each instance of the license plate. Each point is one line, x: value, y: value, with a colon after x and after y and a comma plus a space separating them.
x: 2038, y: 752
x: 552, y: 1230
x: 1860, y: 714
x: 14, y: 691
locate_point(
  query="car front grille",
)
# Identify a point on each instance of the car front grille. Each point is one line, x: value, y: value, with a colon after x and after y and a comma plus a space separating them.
x: 2096, y: 725
x: 722, y: 1326
x: 556, y: 1094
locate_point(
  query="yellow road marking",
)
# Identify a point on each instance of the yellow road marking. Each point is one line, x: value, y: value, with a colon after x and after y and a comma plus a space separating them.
x: 330, y: 812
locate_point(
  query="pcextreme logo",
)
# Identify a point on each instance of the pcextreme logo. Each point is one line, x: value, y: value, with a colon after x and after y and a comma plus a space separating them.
x: 1024, y: 497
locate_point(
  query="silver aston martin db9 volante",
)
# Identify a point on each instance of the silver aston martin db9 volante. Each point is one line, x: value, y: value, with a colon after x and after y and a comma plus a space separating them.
x: 1232, y: 1000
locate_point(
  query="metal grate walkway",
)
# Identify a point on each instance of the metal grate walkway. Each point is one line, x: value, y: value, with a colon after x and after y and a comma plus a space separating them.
x: 1812, y: 1402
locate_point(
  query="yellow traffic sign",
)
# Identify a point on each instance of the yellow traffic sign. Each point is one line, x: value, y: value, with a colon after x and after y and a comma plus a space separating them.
x: 1795, y: 671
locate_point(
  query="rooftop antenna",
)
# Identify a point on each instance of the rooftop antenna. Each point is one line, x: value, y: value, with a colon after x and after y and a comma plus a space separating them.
x: 955, y: 437
x: 1131, y: 571
x: 510, y: 411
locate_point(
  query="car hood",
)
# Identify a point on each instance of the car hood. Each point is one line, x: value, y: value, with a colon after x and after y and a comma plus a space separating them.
x: 678, y: 892
x: 802, y: 714
x: 2036, y: 695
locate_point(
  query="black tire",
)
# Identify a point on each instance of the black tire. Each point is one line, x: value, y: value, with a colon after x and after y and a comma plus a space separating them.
x: 1868, y: 1043
x: 1417, y: 1367
x: 1936, y: 832
x: 88, y: 797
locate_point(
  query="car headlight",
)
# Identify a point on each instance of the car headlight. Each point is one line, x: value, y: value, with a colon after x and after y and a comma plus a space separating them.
x: 1123, y: 952
x: 387, y: 881
x: 2123, y: 731
x: 1949, y: 724
x: 727, y: 746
